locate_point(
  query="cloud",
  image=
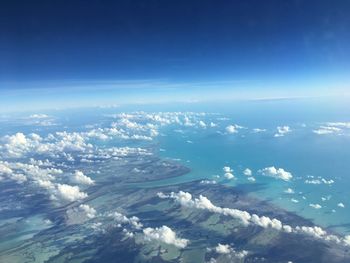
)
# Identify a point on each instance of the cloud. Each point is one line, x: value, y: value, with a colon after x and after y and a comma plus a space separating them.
x: 80, y: 214
x: 229, y: 176
x: 332, y: 128
x: 278, y: 173
x: 282, y: 130
x: 122, y: 219
x: 230, y: 129
x: 223, y: 249
x: 316, y: 206
x: 227, y: 169
x: 227, y: 249
x: 166, y: 235
x: 202, y: 124
x: 247, y: 172
x: 69, y: 193
x: 38, y: 116
x: 257, y: 130
x: 5, y: 169
x: 81, y: 178
x: 185, y: 199
x: 319, y: 181
x: 341, y: 205
x: 289, y: 191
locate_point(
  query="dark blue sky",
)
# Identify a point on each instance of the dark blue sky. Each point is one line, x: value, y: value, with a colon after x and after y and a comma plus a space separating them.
x: 270, y: 42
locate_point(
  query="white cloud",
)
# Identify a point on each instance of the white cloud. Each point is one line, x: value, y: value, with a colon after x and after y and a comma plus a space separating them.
x: 251, y: 179
x: 208, y: 182
x: 69, y: 193
x: 166, y: 235
x: 202, y: 124
x: 257, y: 130
x: 341, y: 205
x: 80, y: 214
x: 223, y: 249
x: 289, y: 191
x: 229, y: 176
x: 203, y: 203
x: 247, y: 172
x: 278, y: 173
x: 233, y: 128
x: 81, y: 178
x: 316, y: 206
x: 282, y: 130
x: 134, y: 221
x: 319, y: 181
x: 227, y: 249
x: 227, y: 169
x: 5, y: 169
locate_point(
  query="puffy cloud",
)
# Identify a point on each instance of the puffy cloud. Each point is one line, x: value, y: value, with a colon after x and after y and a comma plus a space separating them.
x: 247, y: 172
x: 227, y: 249
x: 228, y: 172
x: 122, y: 219
x: 202, y: 124
x: 294, y: 200
x: 278, y: 173
x: 251, y: 179
x: 203, y: 203
x: 319, y: 181
x: 223, y: 249
x: 227, y: 169
x: 289, y: 191
x: 80, y: 178
x: 4, y: 168
x: 282, y: 130
x: 166, y: 235
x: 341, y: 205
x: 69, y: 193
x: 231, y: 129
x: 80, y: 214
x: 229, y: 176
x: 316, y: 206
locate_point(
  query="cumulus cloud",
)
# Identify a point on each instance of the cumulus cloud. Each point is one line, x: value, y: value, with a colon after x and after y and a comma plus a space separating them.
x: 316, y: 206
x: 341, y: 205
x: 166, y: 235
x: 230, y: 129
x: 134, y: 221
x: 227, y: 169
x: 223, y: 249
x: 247, y: 172
x: 227, y: 249
x: 80, y: 214
x: 80, y: 178
x: 185, y: 199
x: 229, y: 176
x: 282, y: 130
x: 319, y: 181
x: 289, y: 191
x: 69, y: 193
x: 278, y: 173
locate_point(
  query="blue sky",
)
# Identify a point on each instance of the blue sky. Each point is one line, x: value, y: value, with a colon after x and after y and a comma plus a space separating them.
x: 102, y: 51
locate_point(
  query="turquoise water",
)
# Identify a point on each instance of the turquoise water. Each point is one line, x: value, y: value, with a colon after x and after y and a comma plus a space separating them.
x: 301, y: 152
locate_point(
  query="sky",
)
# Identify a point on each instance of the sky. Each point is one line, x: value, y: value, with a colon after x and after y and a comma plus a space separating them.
x: 89, y: 52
